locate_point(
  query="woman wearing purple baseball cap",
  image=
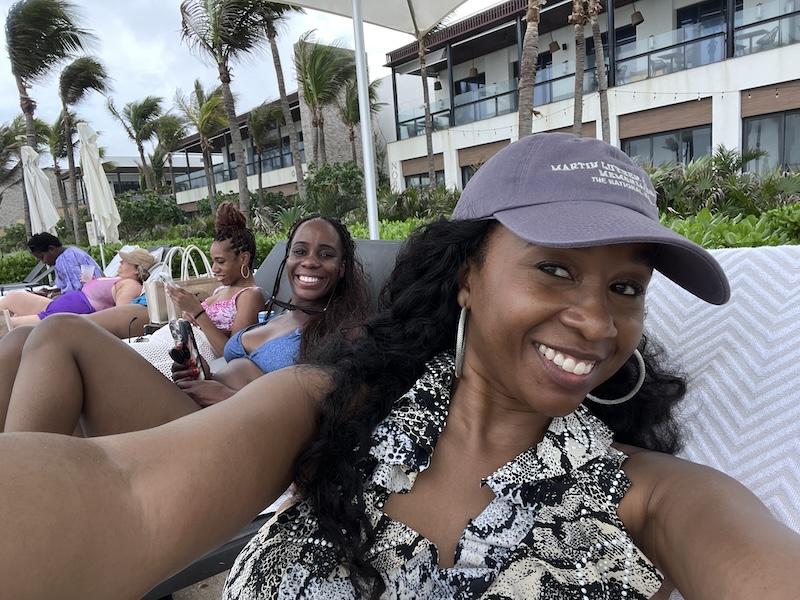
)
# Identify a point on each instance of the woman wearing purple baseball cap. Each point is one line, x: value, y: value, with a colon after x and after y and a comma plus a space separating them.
x: 500, y: 429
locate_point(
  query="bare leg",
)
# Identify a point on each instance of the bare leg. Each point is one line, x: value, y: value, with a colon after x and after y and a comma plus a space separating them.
x: 24, y: 320
x: 10, y: 355
x: 124, y: 321
x: 73, y: 369
x: 23, y: 303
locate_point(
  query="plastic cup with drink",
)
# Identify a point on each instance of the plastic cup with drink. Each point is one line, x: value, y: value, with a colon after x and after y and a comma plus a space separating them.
x: 87, y: 273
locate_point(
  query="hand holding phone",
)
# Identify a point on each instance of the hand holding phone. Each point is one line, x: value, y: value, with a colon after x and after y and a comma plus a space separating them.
x: 185, y: 350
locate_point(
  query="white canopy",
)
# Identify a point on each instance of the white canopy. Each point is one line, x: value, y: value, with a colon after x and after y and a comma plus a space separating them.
x: 98, y: 190
x: 416, y: 17
x: 37, y: 188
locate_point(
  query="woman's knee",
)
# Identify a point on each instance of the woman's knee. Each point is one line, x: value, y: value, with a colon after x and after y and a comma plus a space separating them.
x: 13, y: 342
x: 60, y: 329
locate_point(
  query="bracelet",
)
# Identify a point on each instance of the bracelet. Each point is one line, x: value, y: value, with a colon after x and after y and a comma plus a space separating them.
x: 197, y: 316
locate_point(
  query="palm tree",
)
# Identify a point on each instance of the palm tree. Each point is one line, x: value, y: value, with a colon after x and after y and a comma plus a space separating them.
x: 578, y: 20
x: 205, y: 112
x: 527, y: 67
x: 57, y: 146
x: 78, y: 78
x: 225, y: 30
x: 322, y: 71
x: 157, y: 158
x: 595, y: 8
x: 273, y: 15
x: 262, y: 124
x: 349, y: 111
x: 139, y: 121
x: 422, y: 50
x: 170, y: 130
x: 39, y: 35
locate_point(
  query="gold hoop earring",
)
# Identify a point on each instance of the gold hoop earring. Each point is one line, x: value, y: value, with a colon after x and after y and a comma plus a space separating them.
x: 242, y: 273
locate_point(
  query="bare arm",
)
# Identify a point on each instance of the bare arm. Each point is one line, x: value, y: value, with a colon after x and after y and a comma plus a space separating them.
x: 125, y: 290
x: 248, y: 304
x: 111, y: 517
x: 709, y: 534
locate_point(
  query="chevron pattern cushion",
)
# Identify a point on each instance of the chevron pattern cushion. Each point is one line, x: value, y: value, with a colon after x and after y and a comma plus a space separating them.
x: 742, y: 411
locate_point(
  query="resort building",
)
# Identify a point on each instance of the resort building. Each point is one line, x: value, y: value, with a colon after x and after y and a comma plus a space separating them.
x: 684, y: 77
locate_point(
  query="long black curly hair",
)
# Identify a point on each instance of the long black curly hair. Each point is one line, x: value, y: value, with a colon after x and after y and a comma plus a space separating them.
x: 348, y: 301
x: 416, y: 321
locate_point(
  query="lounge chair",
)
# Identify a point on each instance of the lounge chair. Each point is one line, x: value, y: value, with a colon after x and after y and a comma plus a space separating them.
x: 38, y: 275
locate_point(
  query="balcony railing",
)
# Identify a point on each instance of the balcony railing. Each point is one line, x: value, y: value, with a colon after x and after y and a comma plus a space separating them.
x: 486, y: 102
x: 691, y: 46
x: 227, y: 172
x: 766, y: 26
x: 491, y: 101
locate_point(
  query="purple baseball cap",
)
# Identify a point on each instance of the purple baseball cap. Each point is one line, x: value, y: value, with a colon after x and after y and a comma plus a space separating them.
x: 562, y: 191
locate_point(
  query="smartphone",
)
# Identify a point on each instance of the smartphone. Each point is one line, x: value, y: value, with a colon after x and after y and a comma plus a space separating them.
x: 186, y: 346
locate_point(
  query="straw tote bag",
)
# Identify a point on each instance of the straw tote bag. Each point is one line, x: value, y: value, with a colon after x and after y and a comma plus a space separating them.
x: 191, y: 279
x: 160, y: 308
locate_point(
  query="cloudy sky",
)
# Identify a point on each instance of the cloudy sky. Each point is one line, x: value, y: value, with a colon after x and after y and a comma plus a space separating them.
x: 139, y: 43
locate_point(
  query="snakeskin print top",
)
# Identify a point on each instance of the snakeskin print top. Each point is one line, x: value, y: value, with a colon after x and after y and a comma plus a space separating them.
x: 552, y: 531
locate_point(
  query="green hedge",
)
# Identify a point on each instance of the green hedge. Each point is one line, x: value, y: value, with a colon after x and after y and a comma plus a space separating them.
x: 772, y: 228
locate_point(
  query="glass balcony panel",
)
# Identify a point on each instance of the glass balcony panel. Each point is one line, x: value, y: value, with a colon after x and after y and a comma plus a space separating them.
x: 542, y: 94
x: 544, y: 74
x: 563, y: 88
x: 506, y: 103
x: 634, y: 69
x: 465, y: 114
x: 756, y: 38
x: 669, y: 61
x: 705, y: 52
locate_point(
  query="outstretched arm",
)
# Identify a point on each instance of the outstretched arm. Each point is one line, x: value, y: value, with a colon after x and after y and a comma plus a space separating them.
x: 709, y: 534
x: 113, y: 516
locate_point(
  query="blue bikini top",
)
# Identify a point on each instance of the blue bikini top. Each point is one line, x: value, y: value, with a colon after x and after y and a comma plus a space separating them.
x: 272, y: 355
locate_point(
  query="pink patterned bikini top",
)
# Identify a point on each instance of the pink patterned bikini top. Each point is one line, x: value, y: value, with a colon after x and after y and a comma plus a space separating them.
x: 222, y: 312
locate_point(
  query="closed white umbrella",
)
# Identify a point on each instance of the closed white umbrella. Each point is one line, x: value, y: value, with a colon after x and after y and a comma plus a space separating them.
x: 416, y: 17
x: 98, y: 190
x: 37, y: 187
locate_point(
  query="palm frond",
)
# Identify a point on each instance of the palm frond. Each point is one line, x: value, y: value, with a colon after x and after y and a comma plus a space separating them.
x: 221, y: 29
x: 81, y: 76
x: 40, y: 34
x: 262, y: 125
x: 273, y: 16
x: 170, y: 130
x: 347, y: 104
x: 322, y: 70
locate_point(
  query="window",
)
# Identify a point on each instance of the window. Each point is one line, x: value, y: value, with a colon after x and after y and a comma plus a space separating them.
x: 777, y: 134
x: 421, y: 180
x: 679, y: 146
x: 467, y: 173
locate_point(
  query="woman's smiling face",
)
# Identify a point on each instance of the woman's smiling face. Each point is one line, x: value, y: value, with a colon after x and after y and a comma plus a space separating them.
x: 548, y: 325
x: 315, y: 262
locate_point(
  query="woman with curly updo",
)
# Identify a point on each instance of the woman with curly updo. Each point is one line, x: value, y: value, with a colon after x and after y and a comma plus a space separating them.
x: 500, y: 429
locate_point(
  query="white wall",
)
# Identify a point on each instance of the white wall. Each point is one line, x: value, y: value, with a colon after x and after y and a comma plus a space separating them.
x: 268, y: 178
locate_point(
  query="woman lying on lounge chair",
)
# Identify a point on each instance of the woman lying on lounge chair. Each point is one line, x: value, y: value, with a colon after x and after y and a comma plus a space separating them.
x: 96, y: 294
x: 327, y: 290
